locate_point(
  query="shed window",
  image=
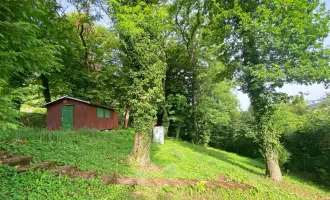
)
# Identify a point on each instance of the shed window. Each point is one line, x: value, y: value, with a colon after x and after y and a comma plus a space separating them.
x: 107, y: 113
x: 100, y: 113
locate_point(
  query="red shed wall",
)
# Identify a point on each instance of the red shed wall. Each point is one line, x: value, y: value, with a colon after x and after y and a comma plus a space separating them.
x: 84, y: 116
x: 54, y: 116
x: 101, y: 123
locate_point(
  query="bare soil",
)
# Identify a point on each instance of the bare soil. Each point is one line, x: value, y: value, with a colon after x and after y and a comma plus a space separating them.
x: 159, y: 182
x: 17, y: 160
x: 45, y: 165
x: 67, y: 170
x: 3, y: 154
x: 90, y: 174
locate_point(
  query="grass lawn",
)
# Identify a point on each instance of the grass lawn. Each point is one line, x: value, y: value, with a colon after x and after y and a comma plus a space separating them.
x: 107, y: 153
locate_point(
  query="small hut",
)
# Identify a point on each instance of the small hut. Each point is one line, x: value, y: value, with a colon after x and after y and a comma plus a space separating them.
x: 72, y: 114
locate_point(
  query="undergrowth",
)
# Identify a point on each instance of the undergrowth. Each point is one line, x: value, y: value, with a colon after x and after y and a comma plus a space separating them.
x: 107, y: 152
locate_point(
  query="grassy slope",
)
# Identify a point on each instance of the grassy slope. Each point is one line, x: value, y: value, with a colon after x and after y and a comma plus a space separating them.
x: 107, y: 151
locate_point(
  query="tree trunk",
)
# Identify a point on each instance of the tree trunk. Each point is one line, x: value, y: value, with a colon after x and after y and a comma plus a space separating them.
x: 141, y: 150
x: 177, y: 131
x: 273, y: 169
x: 194, y: 109
x: 166, y: 123
x: 127, y: 114
x: 45, y: 89
x: 266, y: 167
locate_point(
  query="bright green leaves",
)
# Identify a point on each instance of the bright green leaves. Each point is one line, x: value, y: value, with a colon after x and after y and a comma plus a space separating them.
x: 23, y: 54
x: 140, y: 26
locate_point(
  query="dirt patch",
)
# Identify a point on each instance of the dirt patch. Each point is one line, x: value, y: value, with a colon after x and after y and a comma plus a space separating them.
x: 17, y: 160
x: 23, y: 168
x: 3, y: 154
x: 90, y: 174
x: 159, y: 182
x: 115, y: 179
x: 44, y: 165
x: 151, y: 168
x: 67, y: 170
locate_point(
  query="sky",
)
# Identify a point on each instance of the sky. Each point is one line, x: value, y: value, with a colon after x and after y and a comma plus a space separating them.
x: 315, y: 91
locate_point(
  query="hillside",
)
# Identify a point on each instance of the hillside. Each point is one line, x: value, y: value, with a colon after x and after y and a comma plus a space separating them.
x: 107, y: 153
x: 316, y: 103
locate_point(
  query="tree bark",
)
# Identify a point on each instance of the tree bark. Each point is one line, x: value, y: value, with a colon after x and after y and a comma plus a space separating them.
x: 141, y: 150
x: 177, y: 131
x: 165, y: 123
x: 266, y: 167
x: 127, y: 114
x: 45, y: 89
x: 273, y: 169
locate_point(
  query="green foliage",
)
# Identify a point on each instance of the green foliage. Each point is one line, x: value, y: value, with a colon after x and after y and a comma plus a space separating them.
x: 139, y: 26
x: 309, y: 146
x: 23, y: 54
x: 33, y: 120
x: 239, y: 136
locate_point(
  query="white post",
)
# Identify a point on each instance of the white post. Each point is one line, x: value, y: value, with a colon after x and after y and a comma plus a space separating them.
x: 158, y: 135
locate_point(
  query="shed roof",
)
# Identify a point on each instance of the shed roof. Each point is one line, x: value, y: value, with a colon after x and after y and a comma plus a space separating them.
x: 75, y: 99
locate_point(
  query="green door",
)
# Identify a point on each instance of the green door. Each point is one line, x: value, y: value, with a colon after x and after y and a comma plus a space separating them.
x: 67, y: 117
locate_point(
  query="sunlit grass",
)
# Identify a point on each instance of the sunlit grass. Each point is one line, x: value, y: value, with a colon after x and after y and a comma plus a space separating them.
x: 107, y: 152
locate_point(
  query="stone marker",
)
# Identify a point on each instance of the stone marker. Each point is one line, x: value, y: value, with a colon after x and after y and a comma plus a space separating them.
x: 158, y: 135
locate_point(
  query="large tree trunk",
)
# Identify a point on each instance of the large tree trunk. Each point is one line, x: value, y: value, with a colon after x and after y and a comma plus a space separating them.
x: 141, y: 150
x: 273, y: 169
x: 45, y: 89
x: 127, y: 114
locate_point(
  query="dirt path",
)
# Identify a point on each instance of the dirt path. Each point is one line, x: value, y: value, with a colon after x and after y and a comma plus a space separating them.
x: 221, y: 182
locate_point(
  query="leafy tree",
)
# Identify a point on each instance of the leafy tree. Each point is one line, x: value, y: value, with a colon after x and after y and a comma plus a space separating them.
x: 238, y: 135
x: 177, y: 106
x: 275, y: 42
x: 216, y: 105
x: 188, y: 19
x: 22, y: 55
x: 139, y: 25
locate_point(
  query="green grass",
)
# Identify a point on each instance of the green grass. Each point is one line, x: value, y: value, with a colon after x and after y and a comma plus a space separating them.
x: 108, y: 151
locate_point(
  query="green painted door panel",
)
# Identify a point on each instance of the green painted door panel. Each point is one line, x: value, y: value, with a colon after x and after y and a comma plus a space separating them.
x: 67, y: 117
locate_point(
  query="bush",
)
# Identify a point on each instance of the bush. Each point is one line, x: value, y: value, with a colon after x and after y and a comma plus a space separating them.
x: 310, y: 147
x: 33, y: 120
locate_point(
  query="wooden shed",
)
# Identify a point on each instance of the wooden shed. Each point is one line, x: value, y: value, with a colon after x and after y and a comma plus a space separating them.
x: 71, y: 114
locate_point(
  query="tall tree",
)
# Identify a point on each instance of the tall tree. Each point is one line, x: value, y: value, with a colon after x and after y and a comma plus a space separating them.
x: 188, y: 20
x: 275, y: 42
x: 139, y: 25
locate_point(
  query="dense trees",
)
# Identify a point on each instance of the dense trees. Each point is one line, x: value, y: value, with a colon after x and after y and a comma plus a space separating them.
x: 175, y: 63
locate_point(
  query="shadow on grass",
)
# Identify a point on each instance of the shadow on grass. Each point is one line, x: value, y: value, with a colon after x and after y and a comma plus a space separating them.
x: 224, y: 157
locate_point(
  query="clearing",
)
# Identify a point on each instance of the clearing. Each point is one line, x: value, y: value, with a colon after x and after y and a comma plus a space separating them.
x: 92, y: 165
